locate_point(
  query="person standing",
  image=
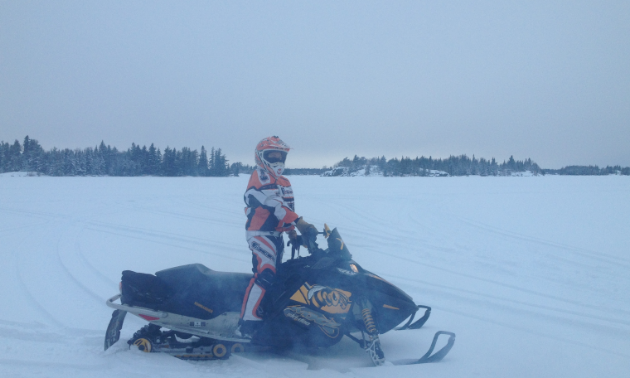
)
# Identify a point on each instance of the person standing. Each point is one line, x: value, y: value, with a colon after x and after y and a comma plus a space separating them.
x: 270, y: 211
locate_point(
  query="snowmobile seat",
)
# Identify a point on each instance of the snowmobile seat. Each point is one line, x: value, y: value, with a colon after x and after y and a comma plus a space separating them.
x: 190, y: 290
x: 141, y: 289
x: 203, y: 293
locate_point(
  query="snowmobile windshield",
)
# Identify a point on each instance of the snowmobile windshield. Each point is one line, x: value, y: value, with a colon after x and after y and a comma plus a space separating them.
x: 275, y: 156
x: 337, y: 247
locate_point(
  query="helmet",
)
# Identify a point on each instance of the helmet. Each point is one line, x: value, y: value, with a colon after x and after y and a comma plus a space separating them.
x: 271, y: 153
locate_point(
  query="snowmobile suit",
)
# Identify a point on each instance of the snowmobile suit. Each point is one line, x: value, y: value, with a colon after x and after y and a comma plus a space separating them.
x: 270, y: 204
x: 266, y: 255
x: 270, y: 212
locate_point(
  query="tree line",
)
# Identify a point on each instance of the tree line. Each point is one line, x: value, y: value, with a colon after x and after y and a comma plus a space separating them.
x: 461, y: 165
x: 589, y: 170
x: 104, y: 160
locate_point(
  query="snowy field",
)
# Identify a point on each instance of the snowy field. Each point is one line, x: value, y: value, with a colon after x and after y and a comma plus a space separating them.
x: 531, y: 273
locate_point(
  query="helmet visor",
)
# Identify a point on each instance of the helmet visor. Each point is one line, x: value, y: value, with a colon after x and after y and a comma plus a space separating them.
x: 275, y: 156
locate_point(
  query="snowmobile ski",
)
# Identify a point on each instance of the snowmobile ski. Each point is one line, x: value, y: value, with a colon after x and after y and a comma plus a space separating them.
x: 435, y: 357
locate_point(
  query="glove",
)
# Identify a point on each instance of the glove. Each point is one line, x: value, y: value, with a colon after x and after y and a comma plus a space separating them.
x: 303, y: 226
x: 309, y: 234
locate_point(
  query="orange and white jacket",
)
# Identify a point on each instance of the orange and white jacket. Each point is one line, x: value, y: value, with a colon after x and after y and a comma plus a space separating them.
x: 270, y: 204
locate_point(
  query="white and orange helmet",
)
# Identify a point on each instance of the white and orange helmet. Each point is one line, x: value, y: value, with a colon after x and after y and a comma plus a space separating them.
x: 274, y: 166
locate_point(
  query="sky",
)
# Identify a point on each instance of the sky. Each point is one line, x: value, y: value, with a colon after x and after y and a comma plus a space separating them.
x: 546, y: 80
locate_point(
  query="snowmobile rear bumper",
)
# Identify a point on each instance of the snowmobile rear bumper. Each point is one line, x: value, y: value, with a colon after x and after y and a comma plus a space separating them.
x: 139, y: 311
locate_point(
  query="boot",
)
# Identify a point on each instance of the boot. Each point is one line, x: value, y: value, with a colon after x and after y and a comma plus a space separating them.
x: 247, y: 328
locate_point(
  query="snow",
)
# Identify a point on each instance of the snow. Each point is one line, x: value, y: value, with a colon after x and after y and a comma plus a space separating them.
x: 531, y: 273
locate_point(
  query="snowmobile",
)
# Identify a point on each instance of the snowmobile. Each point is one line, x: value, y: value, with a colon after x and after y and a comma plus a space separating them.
x: 316, y: 300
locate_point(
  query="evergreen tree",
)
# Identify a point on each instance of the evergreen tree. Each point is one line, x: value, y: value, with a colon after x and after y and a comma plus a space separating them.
x: 15, y: 157
x: 32, y: 156
x: 5, y: 156
x: 218, y: 166
x: 211, y: 163
x: 168, y: 162
x: 153, y: 161
x: 202, y: 167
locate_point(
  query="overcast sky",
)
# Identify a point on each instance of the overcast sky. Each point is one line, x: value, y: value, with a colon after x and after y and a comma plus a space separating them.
x: 547, y: 79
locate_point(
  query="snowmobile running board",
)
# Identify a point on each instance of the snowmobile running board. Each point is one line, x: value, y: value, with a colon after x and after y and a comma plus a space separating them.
x: 420, y: 322
x: 116, y: 322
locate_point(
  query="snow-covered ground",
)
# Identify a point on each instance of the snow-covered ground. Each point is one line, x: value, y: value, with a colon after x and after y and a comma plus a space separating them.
x: 532, y: 273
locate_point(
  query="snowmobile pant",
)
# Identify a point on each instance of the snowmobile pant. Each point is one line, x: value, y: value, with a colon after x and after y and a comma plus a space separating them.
x: 266, y: 254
